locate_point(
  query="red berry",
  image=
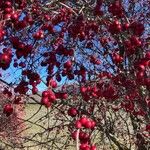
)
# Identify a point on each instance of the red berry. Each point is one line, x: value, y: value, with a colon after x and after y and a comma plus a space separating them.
x: 84, y: 146
x: 74, y: 135
x: 78, y: 124
x: 5, y: 58
x: 45, y: 94
x: 93, y: 124
x: 147, y: 56
x: 8, y: 4
x: 88, y: 124
x: 126, y: 26
x: 72, y: 112
x: 64, y: 95
x: 8, y: 109
x: 93, y: 147
x: 83, y: 120
x: 14, y: 16
x: 83, y: 89
x: 45, y: 101
x: 52, y: 97
x: 68, y: 64
x: 8, y: 10
x: 34, y: 90
x: 53, y: 83
x: 141, y: 67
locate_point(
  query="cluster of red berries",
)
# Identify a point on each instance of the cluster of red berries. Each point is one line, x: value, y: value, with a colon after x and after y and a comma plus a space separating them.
x: 132, y: 44
x: 85, y: 122
x: 34, y: 80
x: 84, y: 140
x: 137, y: 28
x: 9, y: 12
x: 39, y: 35
x: 17, y: 100
x: 61, y: 50
x: 97, y: 8
x: 84, y: 137
x: 101, y: 89
x: 18, y: 23
x: 8, y: 9
x: 5, y: 58
x: 116, y: 9
x: 48, y: 27
x: 22, y: 87
x: 115, y: 27
x: 117, y: 58
x: 89, y: 92
x: 68, y: 70
x: 83, y: 29
x: 81, y: 72
x: 86, y: 146
x: 63, y: 15
x: 7, y: 92
x: 7, y: 5
x: 77, y: 27
x: 48, y: 97
x: 22, y: 50
x: 61, y: 95
x: 141, y: 67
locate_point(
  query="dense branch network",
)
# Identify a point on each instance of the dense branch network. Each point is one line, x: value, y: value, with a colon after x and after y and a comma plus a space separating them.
x: 85, y: 65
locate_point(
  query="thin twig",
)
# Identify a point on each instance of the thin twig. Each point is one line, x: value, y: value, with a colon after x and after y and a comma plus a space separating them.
x: 77, y: 139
